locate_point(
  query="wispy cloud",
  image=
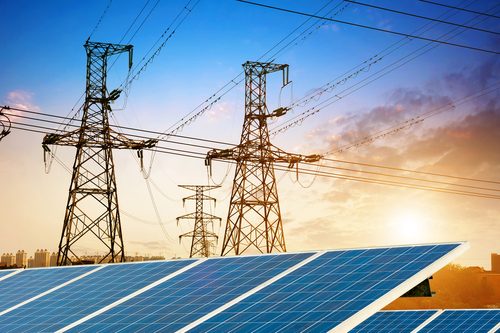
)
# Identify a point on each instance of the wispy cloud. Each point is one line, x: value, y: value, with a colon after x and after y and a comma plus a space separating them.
x: 21, y: 99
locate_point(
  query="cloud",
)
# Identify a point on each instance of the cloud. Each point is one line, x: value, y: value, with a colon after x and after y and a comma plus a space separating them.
x: 21, y: 99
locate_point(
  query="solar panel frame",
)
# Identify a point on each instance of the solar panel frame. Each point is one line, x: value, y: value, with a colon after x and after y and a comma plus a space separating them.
x: 394, y: 321
x: 5, y: 274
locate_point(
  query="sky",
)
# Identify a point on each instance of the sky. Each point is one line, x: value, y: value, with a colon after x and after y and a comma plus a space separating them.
x: 43, y: 69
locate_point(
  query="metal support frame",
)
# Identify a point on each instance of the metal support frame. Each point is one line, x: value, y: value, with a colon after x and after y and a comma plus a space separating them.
x: 254, y: 220
x: 92, y: 211
x: 203, y: 241
x: 5, y: 123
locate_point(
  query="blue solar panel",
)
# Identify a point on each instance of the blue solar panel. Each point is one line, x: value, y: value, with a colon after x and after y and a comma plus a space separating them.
x: 31, y: 282
x: 464, y: 321
x: 4, y: 273
x: 192, y: 294
x: 323, y: 293
x: 394, y: 321
x: 72, y: 302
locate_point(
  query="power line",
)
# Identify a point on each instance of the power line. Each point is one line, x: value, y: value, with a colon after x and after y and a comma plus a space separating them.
x: 100, y: 18
x: 298, y: 119
x: 460, y: 8
x: 303, y: 171
x: 422, y: 17
x: 193, y: 115
x: 142, y: 23
x: 202, y: 154
x: 371, y: 28
x: 412, y: 171
x: 413, y: 121
x: 117, y: 126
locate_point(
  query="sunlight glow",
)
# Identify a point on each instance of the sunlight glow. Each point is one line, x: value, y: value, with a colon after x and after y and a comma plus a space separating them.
x: 408, y: 226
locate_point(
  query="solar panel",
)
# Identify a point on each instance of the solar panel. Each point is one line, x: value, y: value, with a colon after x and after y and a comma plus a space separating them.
x: 86, y: 295
x: 189, y: 296
x: 399, y: 321
x: 32, y: 282
x: 464, y: 321
x: 330, y: 291
x: 4, y: 273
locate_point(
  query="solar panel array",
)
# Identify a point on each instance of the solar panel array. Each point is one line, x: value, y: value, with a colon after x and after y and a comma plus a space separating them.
x: 314, y: 291
x: 432, y: 321
x: 68, y: 304
x: 327, y: 291
x: 33, y: 282
x: 464, y: 321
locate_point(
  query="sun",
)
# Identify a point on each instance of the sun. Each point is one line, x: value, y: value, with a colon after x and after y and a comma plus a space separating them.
x: 408, y: 226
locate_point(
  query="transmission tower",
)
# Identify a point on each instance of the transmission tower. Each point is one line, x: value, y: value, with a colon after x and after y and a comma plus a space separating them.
x: 4, y: 123
x: 203, y: 241
x: 254, y: 218
x: 92, y: 209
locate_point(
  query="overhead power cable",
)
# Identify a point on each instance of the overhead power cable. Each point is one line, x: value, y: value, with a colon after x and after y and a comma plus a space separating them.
x: 304, y: 171
x: 208, y: 147
x: 410, y: 171
x: 413, y: 121
x: 116, y: 126
x: 203, y: 154
x: 298, y: 119
x: 371, y: 28
x: 213, y: 99
x: 460, y: 8
x: 100, y: 19
x: 422, y: 17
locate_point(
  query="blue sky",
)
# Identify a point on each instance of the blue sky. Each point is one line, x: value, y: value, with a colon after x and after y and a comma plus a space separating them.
x: 43, y: 67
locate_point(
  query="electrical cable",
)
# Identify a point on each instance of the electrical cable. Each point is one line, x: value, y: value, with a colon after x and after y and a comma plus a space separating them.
x: 340, y: 176
x: 372, y: 28
x: 460, y: 8
x: 421, y: 17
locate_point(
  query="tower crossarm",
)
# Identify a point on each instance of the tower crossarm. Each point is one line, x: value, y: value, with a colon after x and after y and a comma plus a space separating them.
x: 96, y: 138
x: 251, y: 152
x: 203, y: 216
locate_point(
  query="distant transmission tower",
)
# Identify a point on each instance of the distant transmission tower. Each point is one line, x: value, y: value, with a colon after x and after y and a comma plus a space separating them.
x: 4, y: 124
x: 203, y: 242
x: 92, y: 209
x: 254, y: 218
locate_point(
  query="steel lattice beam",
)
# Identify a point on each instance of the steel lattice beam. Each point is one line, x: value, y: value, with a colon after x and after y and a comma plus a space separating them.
x: 203, y: 241
x: 254, y: 219
x: 92, y: 211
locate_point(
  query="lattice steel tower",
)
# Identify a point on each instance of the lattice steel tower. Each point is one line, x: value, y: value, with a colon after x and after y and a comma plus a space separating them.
x: 203, y: 241
x: 92, y: 209
x: 254, y: 218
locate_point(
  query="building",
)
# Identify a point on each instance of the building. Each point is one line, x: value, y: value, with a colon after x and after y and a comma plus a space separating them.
x: 8, y: 259
x: 53, y: 259
x: 31, y: 262
x: 42, y: 258
x: 495, y: 263
x: 21, y: 259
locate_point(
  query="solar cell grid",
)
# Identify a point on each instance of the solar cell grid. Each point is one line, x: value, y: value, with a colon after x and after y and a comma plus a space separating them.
x: 32, y: 282
x: 394, y: 321
x: 4, y: 273
x: 464, y: 321
x: 86, y: 295
x: 326, y: 291
x: 180, y: 301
